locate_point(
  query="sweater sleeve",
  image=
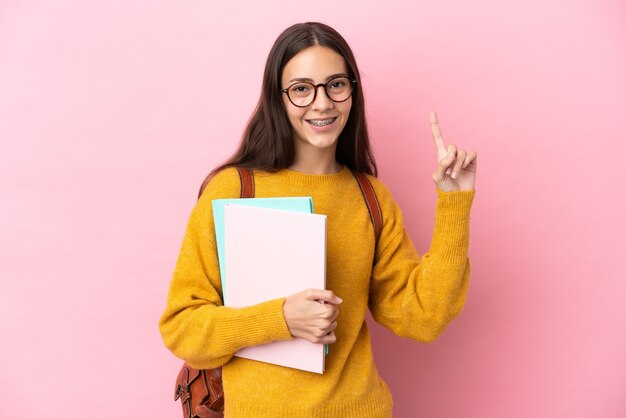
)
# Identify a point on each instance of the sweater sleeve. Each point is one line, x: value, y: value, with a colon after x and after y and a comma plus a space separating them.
x: 417, y: 298
x: 196, y: 326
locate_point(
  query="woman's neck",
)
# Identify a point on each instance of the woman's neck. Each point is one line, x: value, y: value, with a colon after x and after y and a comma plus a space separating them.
x: 316, y: 161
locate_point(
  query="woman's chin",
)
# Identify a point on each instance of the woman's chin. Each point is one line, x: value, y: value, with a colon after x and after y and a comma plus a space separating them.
x: 320, y: 142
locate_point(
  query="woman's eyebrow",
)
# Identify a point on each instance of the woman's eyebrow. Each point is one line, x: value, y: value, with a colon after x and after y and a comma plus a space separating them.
x: 310, y: 80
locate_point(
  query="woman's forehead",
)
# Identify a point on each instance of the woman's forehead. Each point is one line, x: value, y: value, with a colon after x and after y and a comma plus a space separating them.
x: 316, y: 63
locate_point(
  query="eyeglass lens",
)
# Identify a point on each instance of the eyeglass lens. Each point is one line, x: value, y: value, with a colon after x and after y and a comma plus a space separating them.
x: 338, y: 90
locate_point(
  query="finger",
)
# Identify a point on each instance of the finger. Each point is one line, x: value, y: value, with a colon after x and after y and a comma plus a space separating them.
x: 439, y: 176
x: 458, y: 164
x: 334, y: 315
x: 327, y: 339
x: 451, y: 155
x: 472, y: 157
x: 325, y: 328
x: 436, y: 131
x: 322, y: 295
x: 331, y: 328
x: 328, y: 311
x: 322, y: 335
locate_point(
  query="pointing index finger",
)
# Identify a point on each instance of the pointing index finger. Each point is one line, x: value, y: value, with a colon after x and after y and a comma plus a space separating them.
x: 434, y: 126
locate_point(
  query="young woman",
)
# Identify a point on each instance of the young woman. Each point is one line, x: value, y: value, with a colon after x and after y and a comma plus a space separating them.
x: 306, y: 136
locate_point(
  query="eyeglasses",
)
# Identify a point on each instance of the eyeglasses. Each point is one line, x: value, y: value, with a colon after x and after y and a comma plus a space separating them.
x: 302, y: 94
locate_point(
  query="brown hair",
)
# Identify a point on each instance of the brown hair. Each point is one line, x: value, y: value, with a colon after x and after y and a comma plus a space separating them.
x: 267, y: 143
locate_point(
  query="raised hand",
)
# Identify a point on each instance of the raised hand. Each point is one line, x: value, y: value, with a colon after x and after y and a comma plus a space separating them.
x: 456, y: 169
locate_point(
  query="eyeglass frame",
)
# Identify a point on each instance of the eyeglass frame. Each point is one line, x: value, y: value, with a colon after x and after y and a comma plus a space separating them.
x: 317, y: 86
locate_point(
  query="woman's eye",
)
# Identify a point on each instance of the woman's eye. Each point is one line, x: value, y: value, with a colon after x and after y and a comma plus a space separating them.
x: 337, y: 84
x: 301, y: 89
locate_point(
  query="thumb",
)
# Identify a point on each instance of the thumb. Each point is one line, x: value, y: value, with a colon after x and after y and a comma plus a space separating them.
x: 449, y: 157
x: 323, y: 295
x: 439, y: 175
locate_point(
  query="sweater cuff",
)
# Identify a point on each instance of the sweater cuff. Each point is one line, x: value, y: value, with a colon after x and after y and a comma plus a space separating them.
x: 451, y: 232
x: 255, y: 325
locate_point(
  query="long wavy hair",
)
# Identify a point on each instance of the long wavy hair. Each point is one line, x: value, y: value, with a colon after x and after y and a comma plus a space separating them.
x: 268, y: 140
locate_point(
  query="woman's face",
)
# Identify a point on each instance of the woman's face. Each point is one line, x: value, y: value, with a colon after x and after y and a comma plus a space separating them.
x: 320, y: 123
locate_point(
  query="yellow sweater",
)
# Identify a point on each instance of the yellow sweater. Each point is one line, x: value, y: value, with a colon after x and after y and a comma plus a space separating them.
x: 413, y: 298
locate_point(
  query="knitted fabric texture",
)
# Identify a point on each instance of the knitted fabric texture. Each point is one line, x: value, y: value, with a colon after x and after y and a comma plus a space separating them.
x: 413, y: 297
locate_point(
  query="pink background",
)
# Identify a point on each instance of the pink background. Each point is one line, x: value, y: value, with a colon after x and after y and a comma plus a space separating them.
x: 111, y: 114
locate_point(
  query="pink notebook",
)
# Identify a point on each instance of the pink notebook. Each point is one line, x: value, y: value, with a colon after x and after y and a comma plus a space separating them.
x: 272, y: 253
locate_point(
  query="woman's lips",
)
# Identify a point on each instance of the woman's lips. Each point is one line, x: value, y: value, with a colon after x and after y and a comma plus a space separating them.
x: 321, y: 125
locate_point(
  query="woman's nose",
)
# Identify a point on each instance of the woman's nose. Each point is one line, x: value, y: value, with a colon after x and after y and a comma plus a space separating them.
x: 322, y: 101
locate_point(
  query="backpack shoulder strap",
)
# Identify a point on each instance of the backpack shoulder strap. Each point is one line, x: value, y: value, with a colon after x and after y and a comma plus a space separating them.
x: 376, y: 215
x: 247, y: 182
x: 246, y: 179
